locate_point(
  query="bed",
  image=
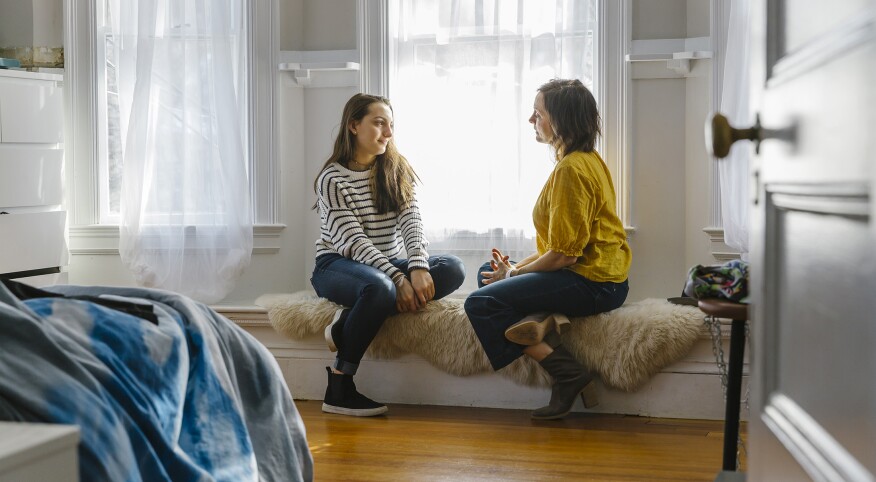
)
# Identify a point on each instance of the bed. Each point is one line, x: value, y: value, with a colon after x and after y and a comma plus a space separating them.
x: 161, y: 387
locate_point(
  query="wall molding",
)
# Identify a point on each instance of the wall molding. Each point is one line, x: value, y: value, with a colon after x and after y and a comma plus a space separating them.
x: 244, y: 316
x: 720, y: 23
x: 615, y: 37
x: 373, y: 46
x: 719, y: 249
x: 263, y: 52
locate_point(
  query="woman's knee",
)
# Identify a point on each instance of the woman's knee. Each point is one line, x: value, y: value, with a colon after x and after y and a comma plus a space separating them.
x: 456, y: 265
x: 379, y: 294
x: 477, y: 306
x: 472, y: 307
x: 453, y: 268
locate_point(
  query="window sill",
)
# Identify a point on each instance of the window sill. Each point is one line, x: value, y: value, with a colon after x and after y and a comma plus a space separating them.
x: 720, y: 251
x: 103, y: 239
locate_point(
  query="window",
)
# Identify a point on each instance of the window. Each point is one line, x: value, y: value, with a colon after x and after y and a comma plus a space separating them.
x: 177, y: 23
x: 93, y: 140
x: 462, y: 77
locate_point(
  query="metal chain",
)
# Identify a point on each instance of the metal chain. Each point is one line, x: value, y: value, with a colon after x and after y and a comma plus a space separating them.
x: 740, y: 447
x: 714, y: 325
x: 747, y: 350
x: 718, y: 349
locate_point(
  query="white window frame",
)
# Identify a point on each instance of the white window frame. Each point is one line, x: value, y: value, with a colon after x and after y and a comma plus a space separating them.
x: 81, y: 119
x: 719, y: 25
x: 613, y: 80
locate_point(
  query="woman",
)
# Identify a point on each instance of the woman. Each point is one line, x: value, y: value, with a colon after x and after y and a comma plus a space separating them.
x: 583, y: 257
x: 365, y: 198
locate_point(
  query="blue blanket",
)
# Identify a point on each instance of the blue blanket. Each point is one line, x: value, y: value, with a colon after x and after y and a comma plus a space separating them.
x: 192, y: 398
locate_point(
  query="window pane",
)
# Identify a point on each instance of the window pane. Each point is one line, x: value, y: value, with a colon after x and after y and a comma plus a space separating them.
x: 463, y: 79
x: 178, y: 28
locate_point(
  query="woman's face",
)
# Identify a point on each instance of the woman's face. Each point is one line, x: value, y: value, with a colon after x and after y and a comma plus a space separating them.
x: 544, y: 131
x: 374, y: 131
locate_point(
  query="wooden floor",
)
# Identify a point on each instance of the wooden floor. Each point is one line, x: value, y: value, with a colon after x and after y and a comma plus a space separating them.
x: 428, y: 443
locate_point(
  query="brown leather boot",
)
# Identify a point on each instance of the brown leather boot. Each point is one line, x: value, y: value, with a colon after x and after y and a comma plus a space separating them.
x: 532, y: 329
x: 570, y: 380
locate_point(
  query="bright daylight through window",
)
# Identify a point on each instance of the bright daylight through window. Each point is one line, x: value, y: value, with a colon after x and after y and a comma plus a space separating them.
x: 463, y: 76
x: 181, y: 30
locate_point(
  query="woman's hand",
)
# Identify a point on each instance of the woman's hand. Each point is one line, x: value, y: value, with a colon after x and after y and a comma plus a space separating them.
x: 424, y: 287
x: 405, y: 297
x: 501, y: 268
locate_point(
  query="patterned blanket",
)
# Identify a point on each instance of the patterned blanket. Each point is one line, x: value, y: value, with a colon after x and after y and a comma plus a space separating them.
x: 193, y: 397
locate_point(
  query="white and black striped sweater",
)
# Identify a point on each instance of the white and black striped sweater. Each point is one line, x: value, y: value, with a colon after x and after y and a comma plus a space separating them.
x: 352, y: 227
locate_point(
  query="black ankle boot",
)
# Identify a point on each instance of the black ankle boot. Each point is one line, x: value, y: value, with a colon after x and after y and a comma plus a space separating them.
x: 570, y: 379
x: 342, y: 398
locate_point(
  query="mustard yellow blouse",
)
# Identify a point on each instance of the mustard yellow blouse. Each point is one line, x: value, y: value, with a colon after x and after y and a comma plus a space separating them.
x: 576, y: 215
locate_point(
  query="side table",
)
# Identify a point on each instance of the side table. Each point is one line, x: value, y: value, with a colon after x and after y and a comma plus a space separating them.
x: 737, y: 312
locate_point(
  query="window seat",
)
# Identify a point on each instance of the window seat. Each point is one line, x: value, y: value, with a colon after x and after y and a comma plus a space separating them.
x: 654, y: 358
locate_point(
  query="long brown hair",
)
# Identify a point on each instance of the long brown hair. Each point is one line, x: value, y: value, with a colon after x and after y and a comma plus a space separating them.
x: 394, y: 179
x: 574, y: 115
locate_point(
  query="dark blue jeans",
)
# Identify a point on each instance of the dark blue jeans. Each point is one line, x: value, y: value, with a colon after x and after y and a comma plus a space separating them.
x: 495, y: 307
x: 370, y: 295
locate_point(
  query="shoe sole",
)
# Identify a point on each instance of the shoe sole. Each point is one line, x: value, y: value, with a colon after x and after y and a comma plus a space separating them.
x: 532, y: 330
x: 588, y: 396
x: 328, y: 331
x: 354, y: 412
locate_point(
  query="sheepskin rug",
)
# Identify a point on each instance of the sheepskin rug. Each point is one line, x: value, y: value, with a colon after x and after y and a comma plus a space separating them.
x: 626, y: 347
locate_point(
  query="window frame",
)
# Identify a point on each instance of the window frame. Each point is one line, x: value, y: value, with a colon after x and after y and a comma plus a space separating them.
x: 81, y: 119
x: 613, y: 80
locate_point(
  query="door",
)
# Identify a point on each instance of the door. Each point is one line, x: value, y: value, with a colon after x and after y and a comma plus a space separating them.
x: 813, y: 248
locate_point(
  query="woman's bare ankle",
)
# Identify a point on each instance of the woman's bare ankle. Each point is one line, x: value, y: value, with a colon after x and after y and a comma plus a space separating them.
x: 539, y: 351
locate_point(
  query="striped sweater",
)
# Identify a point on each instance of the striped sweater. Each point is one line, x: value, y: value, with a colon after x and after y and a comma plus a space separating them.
x: 352, y: 227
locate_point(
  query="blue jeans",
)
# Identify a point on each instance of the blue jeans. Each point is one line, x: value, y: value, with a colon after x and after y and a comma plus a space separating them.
x: 493, y: 308
x: 370, y: 295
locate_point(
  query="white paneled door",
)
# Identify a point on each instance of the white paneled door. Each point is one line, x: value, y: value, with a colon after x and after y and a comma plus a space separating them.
x: 813, y: 243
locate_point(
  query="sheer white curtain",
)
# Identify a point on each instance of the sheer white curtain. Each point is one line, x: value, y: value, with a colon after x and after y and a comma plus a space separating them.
x: 463, y: 79
x: 733, y: 170
x: 186, y: 218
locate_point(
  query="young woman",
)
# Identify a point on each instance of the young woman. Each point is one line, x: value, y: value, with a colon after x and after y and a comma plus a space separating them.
x: 583, y: 257
x: 365, y: 198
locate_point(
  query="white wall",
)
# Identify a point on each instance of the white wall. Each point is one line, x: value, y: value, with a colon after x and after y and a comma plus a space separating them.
x: 31, y: 23
x: 16, y: 23
x: 48, y: 20
x: 312, y: 113
x: 670, y: 169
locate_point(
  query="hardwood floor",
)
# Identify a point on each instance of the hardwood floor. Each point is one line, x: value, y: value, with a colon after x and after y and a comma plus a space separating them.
x: 428, y: 443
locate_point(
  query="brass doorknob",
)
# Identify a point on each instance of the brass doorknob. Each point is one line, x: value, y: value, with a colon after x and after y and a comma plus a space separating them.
x: 720, y: 135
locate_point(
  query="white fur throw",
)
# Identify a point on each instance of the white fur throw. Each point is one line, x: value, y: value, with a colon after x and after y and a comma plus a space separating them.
x: 626, y: 347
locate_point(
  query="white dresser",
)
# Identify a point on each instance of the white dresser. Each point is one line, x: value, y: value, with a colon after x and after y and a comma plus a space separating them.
x: 32, y: 216
x: 38, y: 452
x: 33, y: 247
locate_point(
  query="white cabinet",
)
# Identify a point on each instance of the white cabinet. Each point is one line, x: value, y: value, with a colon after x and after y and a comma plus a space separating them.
x: 32, y: 216
x: 31, y: 109
x: 30, y: 451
